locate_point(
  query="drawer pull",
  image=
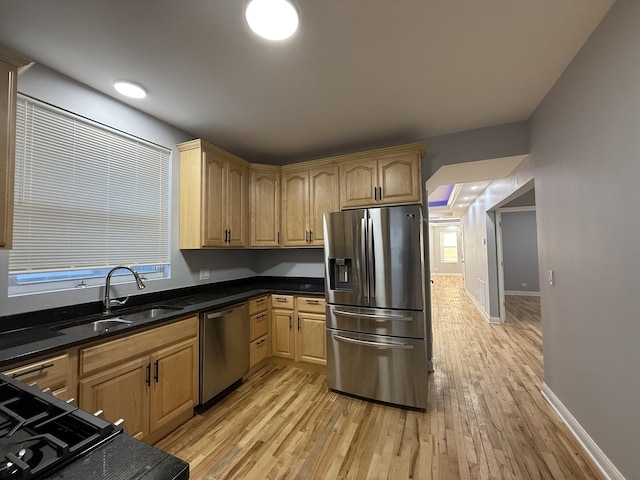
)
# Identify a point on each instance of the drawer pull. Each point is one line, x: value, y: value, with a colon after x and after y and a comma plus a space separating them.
x: 260, y: 300
x: 260, y: 342
x: 281, y: 299
x: 313, y: 302
x: 39, y: 369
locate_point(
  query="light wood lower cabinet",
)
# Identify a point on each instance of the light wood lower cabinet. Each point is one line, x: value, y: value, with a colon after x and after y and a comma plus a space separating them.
x: 258, y: 330
x: 298, y: 332
x: 55, y: 373
x: 149, y: 379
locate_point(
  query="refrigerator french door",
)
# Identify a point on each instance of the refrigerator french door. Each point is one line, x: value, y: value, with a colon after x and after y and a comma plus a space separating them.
x: 378, y: 323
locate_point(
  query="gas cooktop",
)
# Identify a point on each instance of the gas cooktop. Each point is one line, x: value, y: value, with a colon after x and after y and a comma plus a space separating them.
x: 40, y: 434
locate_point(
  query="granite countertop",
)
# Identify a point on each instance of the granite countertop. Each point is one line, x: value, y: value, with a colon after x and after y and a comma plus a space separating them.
x: 31, y: 335
x: 121, y: 458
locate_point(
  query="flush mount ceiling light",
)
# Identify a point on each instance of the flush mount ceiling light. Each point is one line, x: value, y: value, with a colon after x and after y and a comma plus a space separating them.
x: 130, y: 89
x: 272, y: 19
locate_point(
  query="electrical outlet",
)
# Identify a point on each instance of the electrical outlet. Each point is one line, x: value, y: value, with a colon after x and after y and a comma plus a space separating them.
x: 204, y: 274
x: 524, y: 284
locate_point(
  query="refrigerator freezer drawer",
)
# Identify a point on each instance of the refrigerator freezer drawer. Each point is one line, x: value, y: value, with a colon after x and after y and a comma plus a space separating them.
x: 389, y: 369
x: 377, y: 321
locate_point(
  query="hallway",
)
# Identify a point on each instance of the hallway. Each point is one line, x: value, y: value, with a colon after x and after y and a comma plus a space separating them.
x: 486, y: 419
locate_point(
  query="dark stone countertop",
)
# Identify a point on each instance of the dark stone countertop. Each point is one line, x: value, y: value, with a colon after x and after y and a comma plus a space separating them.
x: 124, y: 458
x: 28, y: 336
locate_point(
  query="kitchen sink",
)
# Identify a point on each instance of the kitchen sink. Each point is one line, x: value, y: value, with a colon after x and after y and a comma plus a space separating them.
x: 117, y: 321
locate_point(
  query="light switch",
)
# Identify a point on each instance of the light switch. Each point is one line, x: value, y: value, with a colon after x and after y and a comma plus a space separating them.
x: 204, y: 274
x: 550, y: 277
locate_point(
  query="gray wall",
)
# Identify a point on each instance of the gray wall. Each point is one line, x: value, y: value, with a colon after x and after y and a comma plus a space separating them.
x: 51, y: 87
x: 520, y: 251
x: 585, y: 142
x: 527, y: 199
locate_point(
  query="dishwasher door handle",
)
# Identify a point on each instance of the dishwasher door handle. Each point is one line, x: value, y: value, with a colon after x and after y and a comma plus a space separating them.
x: 211, y: 316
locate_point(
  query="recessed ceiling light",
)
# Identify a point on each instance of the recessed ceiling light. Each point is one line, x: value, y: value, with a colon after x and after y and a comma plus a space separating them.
x: 466, y: 198
x: 130, y: 89
x: 475, y: 187
x: 272, y: 19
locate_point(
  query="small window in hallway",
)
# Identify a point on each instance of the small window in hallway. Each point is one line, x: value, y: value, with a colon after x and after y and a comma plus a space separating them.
x: 449, y: 247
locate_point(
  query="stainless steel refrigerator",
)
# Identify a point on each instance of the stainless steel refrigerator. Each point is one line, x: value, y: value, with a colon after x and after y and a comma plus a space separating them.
x: 378, y: 310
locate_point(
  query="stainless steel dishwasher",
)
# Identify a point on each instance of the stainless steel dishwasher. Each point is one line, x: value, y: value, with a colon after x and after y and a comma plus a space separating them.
x: 224, y: 349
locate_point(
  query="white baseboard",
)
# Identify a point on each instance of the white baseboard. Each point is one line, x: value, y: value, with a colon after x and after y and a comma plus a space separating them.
x: 484, y: 314
x: 605, y: 465
x: 522, y: 293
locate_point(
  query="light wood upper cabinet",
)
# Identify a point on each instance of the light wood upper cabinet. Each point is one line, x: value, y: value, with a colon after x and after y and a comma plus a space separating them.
x: 10, y: 62
x: 306, y: 195
x: 390, y: 176
x: 214, y: 197
x: 264, y: 203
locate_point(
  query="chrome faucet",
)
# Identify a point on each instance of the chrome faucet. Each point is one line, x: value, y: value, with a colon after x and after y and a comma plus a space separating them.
x: 107, y: 294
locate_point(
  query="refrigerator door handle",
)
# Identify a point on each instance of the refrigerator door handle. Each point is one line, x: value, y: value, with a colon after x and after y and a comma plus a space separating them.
x: 372, y: 259
x: 377, y: 318
x: 363, y: 256
x: 380, y: 345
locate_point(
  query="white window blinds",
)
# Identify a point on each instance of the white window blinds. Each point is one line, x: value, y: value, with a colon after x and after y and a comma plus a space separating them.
x: 86, y: 196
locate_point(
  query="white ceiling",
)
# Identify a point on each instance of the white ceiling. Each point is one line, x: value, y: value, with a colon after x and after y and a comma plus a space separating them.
x: 358, y: 74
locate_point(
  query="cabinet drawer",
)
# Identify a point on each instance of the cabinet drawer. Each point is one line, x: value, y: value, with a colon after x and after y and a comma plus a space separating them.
x: 49, y: 373
x: 282, y: 301
x: 115, y: 351
x: 258, y: 304
x: 258, y: 325
x: 257, y: 351
x: 311, y: 304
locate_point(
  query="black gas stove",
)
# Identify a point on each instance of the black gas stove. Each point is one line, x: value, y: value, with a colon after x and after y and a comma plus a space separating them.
x: 40, y: 434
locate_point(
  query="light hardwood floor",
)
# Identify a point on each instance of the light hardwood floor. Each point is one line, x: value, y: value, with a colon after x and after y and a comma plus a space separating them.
x: 486, y: 419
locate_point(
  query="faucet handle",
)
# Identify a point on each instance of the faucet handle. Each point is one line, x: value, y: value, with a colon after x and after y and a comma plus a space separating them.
x: 115, y: 301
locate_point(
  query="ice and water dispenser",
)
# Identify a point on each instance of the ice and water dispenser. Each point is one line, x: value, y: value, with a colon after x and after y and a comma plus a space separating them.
x: 340, y: 277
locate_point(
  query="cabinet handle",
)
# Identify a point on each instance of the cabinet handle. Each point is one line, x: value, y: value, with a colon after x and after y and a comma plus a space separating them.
x: 380, y: 196
x: 39, y: 369
x: 229, y: 241
x: 312, y: 302
x: 290, y: 322
x: 281, y: 299
x: 310, y: 235
x: 157, y: 370
x: 260, y: 300
x: 148, y: 374
x: 278, y: 238
x: 375, y: 193
x: 298, y: 323
x: 260, y: 342
x: 261, y: 316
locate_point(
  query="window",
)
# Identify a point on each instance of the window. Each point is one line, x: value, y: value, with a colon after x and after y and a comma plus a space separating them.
x: 449, y: 247
x: 87, y: 198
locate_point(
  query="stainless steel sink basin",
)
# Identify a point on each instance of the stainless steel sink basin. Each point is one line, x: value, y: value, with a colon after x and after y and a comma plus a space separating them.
x: 117, y: 322
x: 147, y: 314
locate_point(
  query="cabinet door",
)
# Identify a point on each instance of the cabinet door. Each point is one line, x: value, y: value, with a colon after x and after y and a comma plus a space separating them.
x: 399, y: 179
x: 295, y: 207
x: 323, y: 198
x: 358, y: 182
x: 265, y: 208
x: 214, y: 200
x: 237, y: 204
x: 282, y: 343
x: 312, y: 346
x: 8, y: 77
x: 121, y: 392
x: 174, y: 382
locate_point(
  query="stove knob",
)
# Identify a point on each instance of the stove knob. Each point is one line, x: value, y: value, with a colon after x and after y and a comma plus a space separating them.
x: 119, y: 422
x: 97, y: 413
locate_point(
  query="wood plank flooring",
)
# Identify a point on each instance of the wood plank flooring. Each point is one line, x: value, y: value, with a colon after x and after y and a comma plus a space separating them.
x: 486, y: 419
